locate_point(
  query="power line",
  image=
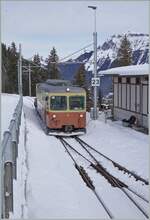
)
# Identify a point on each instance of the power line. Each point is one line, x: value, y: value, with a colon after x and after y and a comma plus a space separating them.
x: 76, y: 52
x: 60, y: 61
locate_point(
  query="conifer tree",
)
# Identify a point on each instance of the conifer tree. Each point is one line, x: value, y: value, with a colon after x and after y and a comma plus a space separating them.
x: 36, y: 73
x: 9, y: 68
x: 10, y: 71
x: 12, y: 57
x: 80, y: 77
x: 52, y: 66
x: 13, y: 49
x: 37, y: 60
x: 124, y: 56
x: 80, y: 80
x: 5, y: 84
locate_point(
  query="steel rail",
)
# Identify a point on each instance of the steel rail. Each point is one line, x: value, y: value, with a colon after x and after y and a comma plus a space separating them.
x: 128, y: 188
x: 106, y: 174
x: 65, y: 144
x: 114, y: 163
x: 135, y: 203
x: 113, y: 180
x: 120, y: 187
x: 127, y: 194
x: 137, y: 194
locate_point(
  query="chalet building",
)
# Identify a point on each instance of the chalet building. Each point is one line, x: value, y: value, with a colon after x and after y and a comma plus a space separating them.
x: 131, y: 93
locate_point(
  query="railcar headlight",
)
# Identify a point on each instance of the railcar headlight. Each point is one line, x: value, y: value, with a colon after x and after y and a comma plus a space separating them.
x: 54, y: 116
x: 81, y: 116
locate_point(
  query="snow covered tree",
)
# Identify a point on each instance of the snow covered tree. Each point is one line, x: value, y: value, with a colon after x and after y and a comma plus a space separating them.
x: 37, y: 60
x: 124, y: 55
x: 52, y: 66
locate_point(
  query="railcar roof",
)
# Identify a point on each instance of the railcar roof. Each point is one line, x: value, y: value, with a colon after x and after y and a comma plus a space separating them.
x: 59, y: 89
x: 58, y: 82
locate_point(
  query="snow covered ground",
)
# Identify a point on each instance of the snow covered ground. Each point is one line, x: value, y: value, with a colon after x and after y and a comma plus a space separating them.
x: 8, y: 103
x: 53, y: 187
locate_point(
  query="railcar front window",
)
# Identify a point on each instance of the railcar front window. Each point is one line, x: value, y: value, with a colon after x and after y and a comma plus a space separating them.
x: 58, y: 103
x: 76, y: 102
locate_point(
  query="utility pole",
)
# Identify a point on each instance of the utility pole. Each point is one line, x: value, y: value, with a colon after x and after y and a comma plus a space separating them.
x: 20, y: 71
x: 18, y: 77
x: 29, y: 79
x: 95, y: 80
x: 29, y: 71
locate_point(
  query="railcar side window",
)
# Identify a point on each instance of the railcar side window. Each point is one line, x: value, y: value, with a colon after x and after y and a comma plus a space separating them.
x: 76, y: 102
x: 58, y: 103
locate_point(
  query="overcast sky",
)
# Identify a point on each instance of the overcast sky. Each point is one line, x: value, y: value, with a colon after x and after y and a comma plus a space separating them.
x: 68, y: 25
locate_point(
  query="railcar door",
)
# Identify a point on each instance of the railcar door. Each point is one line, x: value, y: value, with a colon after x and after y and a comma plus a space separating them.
x: 46, y: 109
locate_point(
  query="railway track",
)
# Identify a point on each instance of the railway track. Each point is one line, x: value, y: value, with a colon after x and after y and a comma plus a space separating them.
x: 120, y: 167
x: 86, y: 178
x: 94, y: 163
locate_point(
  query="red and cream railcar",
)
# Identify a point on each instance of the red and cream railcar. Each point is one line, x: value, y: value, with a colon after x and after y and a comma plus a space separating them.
x: 61, y: 106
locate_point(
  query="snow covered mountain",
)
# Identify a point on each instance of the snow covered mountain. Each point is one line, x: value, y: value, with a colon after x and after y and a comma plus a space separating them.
x: 106, y: 58
x: 107, y: 53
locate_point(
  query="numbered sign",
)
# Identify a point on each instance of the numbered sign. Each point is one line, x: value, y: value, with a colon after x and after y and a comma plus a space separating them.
x: 95, y: 81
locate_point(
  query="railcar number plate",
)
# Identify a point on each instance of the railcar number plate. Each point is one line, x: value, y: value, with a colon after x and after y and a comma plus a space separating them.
x: 95, y: 81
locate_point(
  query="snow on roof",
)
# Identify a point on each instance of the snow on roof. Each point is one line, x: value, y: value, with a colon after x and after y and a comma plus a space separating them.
x: 127, y: 70
x: 59, y: 89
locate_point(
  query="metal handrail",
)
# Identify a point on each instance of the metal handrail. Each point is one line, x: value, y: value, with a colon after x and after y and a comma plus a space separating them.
x: 9, y: 161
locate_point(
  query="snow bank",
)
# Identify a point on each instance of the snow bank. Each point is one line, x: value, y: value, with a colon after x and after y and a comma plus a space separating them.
x: 9, y: 103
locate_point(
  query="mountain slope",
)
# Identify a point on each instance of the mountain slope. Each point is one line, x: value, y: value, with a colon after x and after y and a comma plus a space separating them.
x: 106, y: 58
x: 107, y: 53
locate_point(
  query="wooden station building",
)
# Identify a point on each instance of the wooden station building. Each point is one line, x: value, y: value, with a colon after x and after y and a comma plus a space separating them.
x: 130, y: 92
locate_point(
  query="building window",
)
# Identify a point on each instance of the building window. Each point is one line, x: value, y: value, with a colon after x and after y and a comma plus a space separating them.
x: 133, y: 80
x: 124, y: 79
x: 115, y: 79
x: 132, y: 98
x: 146, y: 78
x: 116, y: 95
x: 138, y: 98
x: 119, y: 79
x: 128, y: 97
x: 137, y: 80
x: 128, y: 80
x: 144, y: 99
x: 147, y: 99
x: 124, y: 96
x: 120, y: 98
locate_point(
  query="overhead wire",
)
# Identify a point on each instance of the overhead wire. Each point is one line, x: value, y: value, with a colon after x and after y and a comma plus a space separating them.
x: 60, y: 61
x: 76, y: 52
